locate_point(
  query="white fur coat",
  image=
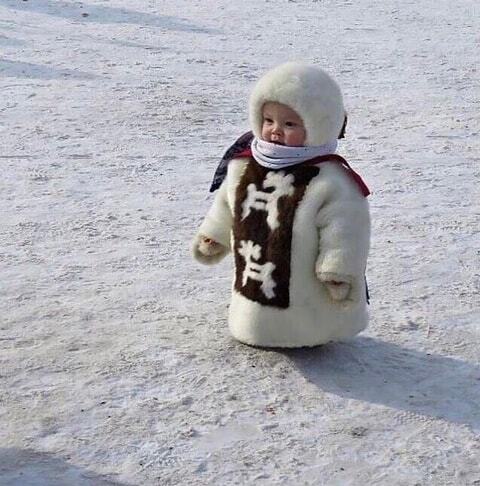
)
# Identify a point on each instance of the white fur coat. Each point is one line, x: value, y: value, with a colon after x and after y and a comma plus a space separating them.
x: 330, y: 241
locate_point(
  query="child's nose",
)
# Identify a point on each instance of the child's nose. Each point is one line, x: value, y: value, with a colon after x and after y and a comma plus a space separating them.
x: 276, y: 135
x: 276, y: 130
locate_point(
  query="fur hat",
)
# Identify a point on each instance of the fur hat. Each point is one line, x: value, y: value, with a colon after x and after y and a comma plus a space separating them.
x: 310, y: 92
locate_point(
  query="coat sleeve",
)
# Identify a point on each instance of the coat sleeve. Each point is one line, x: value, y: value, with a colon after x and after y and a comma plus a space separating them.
x: 217, y: 226
x: 343, y: 223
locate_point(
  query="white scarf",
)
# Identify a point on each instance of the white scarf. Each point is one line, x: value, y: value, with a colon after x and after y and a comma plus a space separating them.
x: 274, y: 156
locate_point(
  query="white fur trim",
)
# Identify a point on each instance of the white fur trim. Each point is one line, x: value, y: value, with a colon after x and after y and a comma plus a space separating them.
x: 309, y: 91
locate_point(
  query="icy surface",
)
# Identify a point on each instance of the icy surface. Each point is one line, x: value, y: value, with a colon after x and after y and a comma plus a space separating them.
x: 116, y: 365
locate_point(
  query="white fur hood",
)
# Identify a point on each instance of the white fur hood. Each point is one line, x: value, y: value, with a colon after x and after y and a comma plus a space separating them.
x: 309, y: 91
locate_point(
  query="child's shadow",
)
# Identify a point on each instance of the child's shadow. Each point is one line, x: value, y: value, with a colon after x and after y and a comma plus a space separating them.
x: 405, y: 379
x: 22, y: 467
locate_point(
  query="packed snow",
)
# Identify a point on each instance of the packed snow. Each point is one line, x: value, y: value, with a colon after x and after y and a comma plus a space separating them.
x: 117, y: 367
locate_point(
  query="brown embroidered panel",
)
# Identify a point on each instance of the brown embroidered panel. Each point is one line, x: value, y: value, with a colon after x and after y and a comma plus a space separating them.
x: 265, y: 205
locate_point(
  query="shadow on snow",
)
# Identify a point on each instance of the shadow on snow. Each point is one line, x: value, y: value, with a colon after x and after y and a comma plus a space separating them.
x: 14, y: 69
x: 385, y: 373
x: 104, y: 15
x: 26, y: 467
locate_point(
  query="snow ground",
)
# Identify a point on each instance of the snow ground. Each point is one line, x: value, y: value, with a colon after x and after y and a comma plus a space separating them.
x: 116, y: 364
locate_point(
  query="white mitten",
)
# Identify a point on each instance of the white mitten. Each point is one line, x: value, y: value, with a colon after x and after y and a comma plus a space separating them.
x: 209, y: 247
x: 208, y: 251
x: 338, y: 286
x: 338, y: 290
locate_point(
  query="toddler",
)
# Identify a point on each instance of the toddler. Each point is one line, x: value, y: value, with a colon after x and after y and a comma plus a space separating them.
x: 295, y: 216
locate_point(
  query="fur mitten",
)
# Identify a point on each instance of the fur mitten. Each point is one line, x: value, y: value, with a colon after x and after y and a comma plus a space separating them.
x: 206, y: 252
x: 339, y: 290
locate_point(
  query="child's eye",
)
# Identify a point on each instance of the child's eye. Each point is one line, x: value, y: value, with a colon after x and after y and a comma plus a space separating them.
x: 290, y: 124
x: 267, y: 120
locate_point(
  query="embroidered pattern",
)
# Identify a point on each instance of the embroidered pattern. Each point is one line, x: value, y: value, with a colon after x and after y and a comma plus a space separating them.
x: 262, y: 273
x: 268, y: 201
x: 265, y: 206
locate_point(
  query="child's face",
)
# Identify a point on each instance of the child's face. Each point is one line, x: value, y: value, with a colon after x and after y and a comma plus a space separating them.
x: 282, y: 125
